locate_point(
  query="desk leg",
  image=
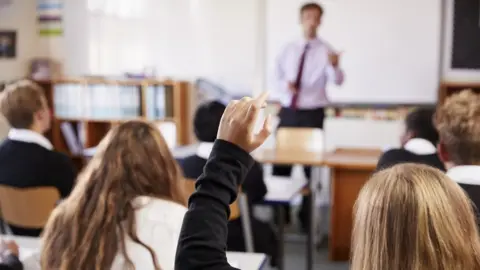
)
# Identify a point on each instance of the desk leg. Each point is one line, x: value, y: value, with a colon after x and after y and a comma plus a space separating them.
x: 281, y: 236
x: 313, y: 184
x: 346, y: 185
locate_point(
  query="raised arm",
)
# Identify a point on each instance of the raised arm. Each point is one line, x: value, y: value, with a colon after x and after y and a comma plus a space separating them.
x: 334, y: 72
x: 203, y: 239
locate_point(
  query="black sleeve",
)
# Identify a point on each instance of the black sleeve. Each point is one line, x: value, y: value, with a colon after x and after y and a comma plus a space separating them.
x: 203, y: 239
x: 11, y: 262
x: 63, y: 174
x: 254, y: 185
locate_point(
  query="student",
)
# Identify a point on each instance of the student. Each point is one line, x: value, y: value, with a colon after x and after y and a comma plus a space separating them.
x: 126, y: 210
x: 414, y: 217
x: 419, y: 142
x: 458, y: 123
x: 206, y: 122
x: 9, y: 256
x: 27, y: 159
x: 203, y: 239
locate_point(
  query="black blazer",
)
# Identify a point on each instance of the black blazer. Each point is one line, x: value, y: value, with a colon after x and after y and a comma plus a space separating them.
x: 203, y: 239
x: 398, y: 156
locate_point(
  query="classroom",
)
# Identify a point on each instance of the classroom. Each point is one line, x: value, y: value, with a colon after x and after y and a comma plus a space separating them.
x: 239, y: 134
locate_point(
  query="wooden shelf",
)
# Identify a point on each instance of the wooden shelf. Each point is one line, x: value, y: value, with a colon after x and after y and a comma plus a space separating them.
x: 94, y: 129
x: 449, y: 88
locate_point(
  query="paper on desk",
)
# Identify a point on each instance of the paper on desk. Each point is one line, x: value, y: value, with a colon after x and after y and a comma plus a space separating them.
x: 30, y: 258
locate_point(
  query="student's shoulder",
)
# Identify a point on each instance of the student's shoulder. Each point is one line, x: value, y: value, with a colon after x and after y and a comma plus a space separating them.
x: 59, y: 158
x: 192, y: 166
x: 395, y: 153
x: 392, y: 157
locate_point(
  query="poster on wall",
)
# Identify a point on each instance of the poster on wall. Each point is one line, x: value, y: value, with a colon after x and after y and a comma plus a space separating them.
x: 49, y: 17
x: 8, y: 44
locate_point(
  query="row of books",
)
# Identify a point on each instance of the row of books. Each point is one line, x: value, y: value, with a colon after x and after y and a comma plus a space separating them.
x: 98, y: 101
x: 74, y: 134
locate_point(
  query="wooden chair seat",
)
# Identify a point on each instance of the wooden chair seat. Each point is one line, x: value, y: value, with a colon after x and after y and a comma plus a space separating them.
x: 27, y: 207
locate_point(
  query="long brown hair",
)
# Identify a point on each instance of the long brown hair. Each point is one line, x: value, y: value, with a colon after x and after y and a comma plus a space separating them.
x: 414, y: 217
x: 88, y: 229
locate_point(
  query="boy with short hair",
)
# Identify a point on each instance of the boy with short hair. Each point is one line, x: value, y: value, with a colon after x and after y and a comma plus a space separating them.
x: 458, y: 123
x: 419, y: 142
x: 27, y: 158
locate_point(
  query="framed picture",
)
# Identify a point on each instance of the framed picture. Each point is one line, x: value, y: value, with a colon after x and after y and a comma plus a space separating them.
x: 8, y: 44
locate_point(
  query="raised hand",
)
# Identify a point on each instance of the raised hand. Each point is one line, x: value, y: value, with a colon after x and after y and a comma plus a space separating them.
x: 292, y: 88
x: 238, y: 122
x: 334, y: 58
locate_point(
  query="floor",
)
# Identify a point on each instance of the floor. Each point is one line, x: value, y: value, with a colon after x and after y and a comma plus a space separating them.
x: 295, y: 253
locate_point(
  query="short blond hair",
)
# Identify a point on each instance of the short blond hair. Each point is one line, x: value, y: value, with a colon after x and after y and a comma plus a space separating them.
x: 414, y: 217
x: 20, y: 101
x: 458, y: 124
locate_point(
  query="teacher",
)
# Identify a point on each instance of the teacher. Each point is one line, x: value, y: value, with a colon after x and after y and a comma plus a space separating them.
x: 302, y: 71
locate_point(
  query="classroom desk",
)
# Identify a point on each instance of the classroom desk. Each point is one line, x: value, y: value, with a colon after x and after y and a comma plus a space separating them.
x: 30, y: 246
x: 289, y: 157
x: 349, y: 172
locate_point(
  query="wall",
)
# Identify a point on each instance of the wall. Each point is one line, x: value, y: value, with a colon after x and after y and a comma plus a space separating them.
x: 20, y: 16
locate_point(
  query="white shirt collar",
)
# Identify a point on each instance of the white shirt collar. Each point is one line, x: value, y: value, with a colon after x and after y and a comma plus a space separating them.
x: 468, y: 174
x: 204, y: 149
x: 29, y: 136
x: 420, y: 146
x: 311, y: 42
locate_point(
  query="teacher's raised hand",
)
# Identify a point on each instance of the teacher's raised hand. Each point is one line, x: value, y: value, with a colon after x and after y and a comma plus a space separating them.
x: 238, y: 122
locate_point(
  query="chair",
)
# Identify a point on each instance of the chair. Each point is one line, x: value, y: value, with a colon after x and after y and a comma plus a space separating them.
x: 296, y: 140
x: 27, y: 207
x: 239, y: 208
x: 304, y: 139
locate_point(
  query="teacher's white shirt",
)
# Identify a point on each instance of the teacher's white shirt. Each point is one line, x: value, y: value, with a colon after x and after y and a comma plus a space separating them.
x: 317, y: 71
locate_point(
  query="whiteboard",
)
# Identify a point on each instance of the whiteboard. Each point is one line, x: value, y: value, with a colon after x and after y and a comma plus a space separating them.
x: 391, y: 47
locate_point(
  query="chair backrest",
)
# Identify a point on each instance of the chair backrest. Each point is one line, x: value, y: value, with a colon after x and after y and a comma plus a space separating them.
x: 234, y: 207
x: 27, y: 207
x: 300, y: 139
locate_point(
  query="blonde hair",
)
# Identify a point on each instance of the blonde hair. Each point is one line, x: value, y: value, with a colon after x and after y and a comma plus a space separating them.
x: 457, y: 121
x: 413, y: 217
x: 20, y: 101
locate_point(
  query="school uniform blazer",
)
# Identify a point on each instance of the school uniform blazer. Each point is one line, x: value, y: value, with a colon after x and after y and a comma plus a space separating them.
x: 158, y: 224
x: 468, y: 177
x: 416, y: 150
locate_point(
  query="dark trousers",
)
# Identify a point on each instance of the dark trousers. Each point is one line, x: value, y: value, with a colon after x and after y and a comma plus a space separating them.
x: 312, y: 118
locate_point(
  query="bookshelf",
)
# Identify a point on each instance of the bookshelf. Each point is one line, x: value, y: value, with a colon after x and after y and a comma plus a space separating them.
x: 449, y: 88
x: 89, y: 108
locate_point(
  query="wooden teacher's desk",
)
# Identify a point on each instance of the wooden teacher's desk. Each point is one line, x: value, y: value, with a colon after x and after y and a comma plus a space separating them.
x: 350, y: 169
